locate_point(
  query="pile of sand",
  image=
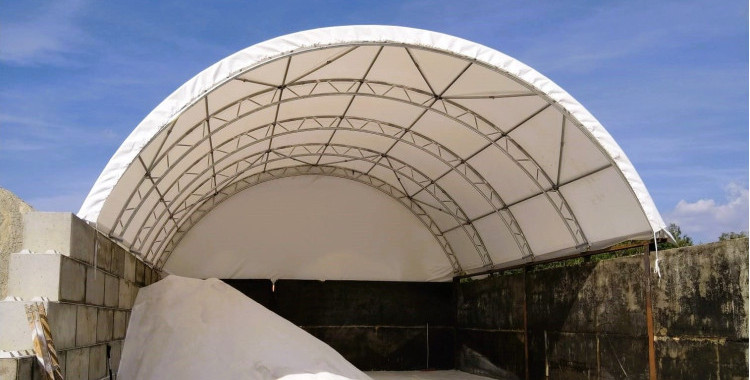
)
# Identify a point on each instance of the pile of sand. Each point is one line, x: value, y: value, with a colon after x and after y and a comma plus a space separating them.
x: 12, y: 209
x: 184, y: 328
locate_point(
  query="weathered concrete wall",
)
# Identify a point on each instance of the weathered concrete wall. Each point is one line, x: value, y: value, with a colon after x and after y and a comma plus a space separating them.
x: 374, y: 325
x: 490, y: 321
x: 589, y: 321
x: 12, y: 210
x: 701, y: 311
x: 585, y: 321
x: 90, y: 284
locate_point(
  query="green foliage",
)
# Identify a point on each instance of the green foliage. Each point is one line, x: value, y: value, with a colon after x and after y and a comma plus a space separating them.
x: 732, y: 235
x: 682, y: 240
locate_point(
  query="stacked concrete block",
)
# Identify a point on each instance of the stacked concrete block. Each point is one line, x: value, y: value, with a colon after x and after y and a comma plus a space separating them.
x: 88, y: 284
x: 19, y: 368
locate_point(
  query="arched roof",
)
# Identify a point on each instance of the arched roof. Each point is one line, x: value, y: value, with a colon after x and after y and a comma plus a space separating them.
x: 496, y: 162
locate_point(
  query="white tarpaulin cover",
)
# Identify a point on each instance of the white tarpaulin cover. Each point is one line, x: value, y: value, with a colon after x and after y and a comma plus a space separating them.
x: 493, y: 161
x: 184, y: 328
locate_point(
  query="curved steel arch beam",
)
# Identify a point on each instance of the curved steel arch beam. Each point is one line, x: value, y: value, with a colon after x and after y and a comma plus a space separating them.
x: 320, y: 170
x: 560, y: 205
x: 452, y: 209
x: 197, y: 174
x: 475, y: 121
x: 442, y: 197
x: 427, y: 145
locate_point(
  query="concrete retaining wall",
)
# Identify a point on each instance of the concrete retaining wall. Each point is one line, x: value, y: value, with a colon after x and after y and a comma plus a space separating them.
x: 701, y: 311
x: 375, y: 325
x: 589, y: 321
x: 582, y: 321
x: 88, y: 285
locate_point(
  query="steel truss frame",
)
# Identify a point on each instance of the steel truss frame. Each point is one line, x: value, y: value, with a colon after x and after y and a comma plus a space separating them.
x: 163, y: 217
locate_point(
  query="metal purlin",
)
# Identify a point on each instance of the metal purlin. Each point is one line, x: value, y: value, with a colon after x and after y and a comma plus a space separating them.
x: 143, y: 197
x: 227, y: 122
x: 521, y: 158
x: 561, y: 206
x: 322, y: 170
x: 412, y: 138
x: 399, y: 170
x: 171, y: 125
x: 441, y: 196
x: 451, y: 208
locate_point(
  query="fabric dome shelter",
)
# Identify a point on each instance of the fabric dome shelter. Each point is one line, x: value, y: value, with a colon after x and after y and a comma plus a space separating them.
x: 367, y: 153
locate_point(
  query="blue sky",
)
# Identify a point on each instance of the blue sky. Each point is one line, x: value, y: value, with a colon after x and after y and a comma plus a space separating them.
x: 669, y: 80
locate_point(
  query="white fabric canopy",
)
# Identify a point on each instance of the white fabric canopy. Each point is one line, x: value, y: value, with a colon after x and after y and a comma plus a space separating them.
x: 496, y: 163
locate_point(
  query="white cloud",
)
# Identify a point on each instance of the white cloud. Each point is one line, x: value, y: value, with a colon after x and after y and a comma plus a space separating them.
x: 44, y: 38
x: 705, y: 219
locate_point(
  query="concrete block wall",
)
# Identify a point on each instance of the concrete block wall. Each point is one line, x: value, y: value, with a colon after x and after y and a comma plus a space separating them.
x: 88, y: 284
x: 701, y: 311
x: 588, y: 321
x: 375, y: 325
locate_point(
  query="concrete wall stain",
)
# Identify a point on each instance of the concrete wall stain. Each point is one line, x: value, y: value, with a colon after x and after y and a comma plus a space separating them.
x: 584, y: 322
x: 588, y: 321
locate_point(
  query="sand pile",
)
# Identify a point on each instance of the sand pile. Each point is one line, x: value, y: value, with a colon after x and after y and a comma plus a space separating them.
x: 183, y: 328
x: 12, y: 209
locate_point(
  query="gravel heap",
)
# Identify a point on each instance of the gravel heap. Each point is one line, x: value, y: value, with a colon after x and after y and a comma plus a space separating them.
x: 12, y: 209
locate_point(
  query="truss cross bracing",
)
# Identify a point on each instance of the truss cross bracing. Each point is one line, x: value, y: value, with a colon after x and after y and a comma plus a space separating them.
x: 477, y: 146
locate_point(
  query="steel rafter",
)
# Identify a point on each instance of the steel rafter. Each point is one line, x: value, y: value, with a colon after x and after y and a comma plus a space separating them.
x: 412, y: 96
x: 449, y: 206
x: 320, y: 170
x: 421, y: 142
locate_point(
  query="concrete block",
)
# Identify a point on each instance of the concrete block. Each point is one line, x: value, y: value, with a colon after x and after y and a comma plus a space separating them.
x: 15, y: 332
x: 118, y: 260
x: 86, y: 325
x: 34, y: 275
x: 8, y: 369
x: 703, y: 291
x: 62, y: 323
x: 98, y: 362
x: 26, y: 367
x: 72, y: 280
x: 111, y: 291
x: 21, y: 368
x: 128, y: 292
x: 94, y: 286
x: 77, y: 364
x: 116, y: 354
x: 104, y: 325
x: 59, y: 231
x: 120, y: 324
x: 129, y: 267
x: 61, y: 356
x: 133, y: 295
x: 47, y: 275
x: 103, y: 252
x: 140, y: 273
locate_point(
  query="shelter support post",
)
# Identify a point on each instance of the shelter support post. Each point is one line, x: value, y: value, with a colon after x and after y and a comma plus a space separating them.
x: 649, y: 314
x: 525, y: 324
